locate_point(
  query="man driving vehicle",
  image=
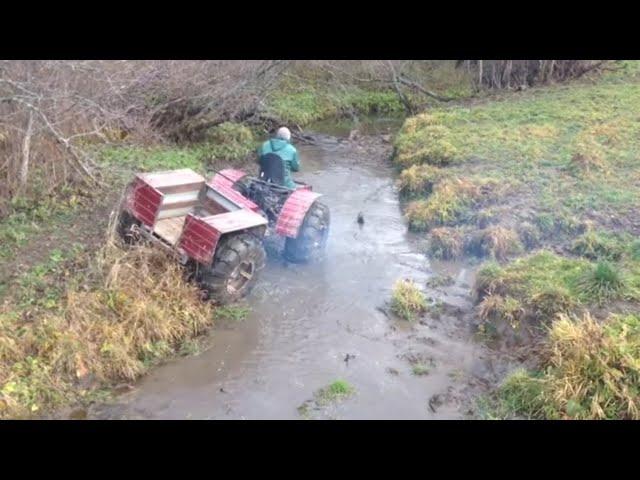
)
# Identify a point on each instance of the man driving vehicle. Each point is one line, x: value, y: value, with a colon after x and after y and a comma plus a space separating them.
x: 281, y: 146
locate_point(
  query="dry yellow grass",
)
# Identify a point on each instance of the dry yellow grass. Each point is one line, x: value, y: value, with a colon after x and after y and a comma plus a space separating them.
x: 592, y: 371
x: 495, y: 241
x: 407, y: 299
x: 138, y: 311
x: 446, y: 243
x: 419, y: 178
x: 596, y: 367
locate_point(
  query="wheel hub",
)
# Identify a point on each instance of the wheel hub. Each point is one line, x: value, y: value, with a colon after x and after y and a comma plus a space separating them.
x: 240, y: 277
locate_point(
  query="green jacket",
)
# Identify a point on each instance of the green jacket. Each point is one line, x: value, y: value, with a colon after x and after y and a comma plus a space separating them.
x: 287, y: 153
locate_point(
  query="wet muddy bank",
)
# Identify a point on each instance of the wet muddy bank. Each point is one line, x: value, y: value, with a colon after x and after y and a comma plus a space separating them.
x: 310, y: 325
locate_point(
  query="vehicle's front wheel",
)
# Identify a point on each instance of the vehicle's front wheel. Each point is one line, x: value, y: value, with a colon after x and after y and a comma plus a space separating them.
x: 235, y: 268
x: 311, y: 241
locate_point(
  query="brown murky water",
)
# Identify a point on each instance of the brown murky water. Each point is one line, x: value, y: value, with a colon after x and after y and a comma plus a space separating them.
x: 305, y: 319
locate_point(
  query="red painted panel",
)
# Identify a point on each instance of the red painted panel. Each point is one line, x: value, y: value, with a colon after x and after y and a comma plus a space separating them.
x: 199, y: 240
x: 223, y: 182
x: 144, y: 202
x: 294, y: 211
x: 230, y: 173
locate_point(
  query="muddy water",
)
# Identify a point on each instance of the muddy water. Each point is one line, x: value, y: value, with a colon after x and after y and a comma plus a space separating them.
x: 306, y: 319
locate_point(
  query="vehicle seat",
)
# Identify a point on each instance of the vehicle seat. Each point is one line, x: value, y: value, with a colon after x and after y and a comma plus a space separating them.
x: 272, y: 168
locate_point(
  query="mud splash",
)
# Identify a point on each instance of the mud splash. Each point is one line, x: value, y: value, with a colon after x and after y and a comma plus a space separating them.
x: 313, y: 324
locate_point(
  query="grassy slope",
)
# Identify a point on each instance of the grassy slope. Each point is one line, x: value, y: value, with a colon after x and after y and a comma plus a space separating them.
x: 50, y: 353
x: 570, y: 150
x: 310, y: 95
x: 559, y: 167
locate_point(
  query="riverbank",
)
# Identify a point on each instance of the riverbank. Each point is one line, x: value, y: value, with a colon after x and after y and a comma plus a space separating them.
x: 549, y: 175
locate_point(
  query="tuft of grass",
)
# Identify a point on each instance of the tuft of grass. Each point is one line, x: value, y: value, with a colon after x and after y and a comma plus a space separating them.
x: 495, y: 241
x: 124, y: 158
x: 440, y: 281
x: 332, y: 393
x: 495, y: 307
x: 592, y: 371
x: 549, y: 302
x: 487, y: 216
x: 529, y: 235
x: 536, y: 288
x: 446, y: 243
x: 425, y: 138
x: 234, y: 313
x: 407, y: 300
x: 535, y: 273
x: 449, y: 203
x: 419, y: 179
x: 602, y: 282
x: 489, y: 279
x: 420, y: 369
x: 523, y: 394
x: 546, y: 223
x: 596, y: 245
x: 336, y: 391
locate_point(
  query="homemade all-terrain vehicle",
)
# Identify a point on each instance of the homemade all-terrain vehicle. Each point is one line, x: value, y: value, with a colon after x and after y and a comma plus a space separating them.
x: 216, y: 227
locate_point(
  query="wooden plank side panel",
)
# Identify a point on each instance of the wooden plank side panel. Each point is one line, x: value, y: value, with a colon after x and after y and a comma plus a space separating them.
x: 170, y: 228
x: 182, y: 188
x: 233, y: 221
x: 171, y: 178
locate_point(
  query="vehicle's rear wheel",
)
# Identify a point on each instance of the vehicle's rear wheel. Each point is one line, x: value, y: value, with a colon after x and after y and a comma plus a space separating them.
x: 235, y: 268
x: 311, y: 241
x: 125, y: 227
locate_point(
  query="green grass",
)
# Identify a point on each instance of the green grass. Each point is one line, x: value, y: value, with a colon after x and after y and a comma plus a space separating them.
x: 596, y: 245
x: 567, y: 150
x: 233, y: 313
x: 302, y: 105
x: 333, y: 393
x: 522, y: 394
x: 134, y: 158
x: 30, y: 217
x: 592, y: 371
x: 567, y: 156
x: 604, y: 281
x: 440, y: 281
x: 226, y: 145
x: 420, y: 369
x: 407, y: 300
x: 336, y: 391
x: 542, y: 285
x: 528, y: 276
x: 42, y: 286
x: 445, y: 243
